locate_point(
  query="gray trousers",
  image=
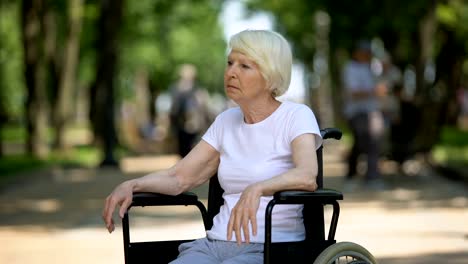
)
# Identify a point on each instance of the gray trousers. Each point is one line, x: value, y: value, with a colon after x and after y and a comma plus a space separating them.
x: 208, y: 251
x: 366, y: 141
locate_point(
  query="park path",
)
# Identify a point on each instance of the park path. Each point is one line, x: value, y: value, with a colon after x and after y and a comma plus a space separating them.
x: 54, y: 216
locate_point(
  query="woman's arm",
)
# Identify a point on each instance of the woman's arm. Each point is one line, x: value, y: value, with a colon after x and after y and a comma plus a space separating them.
x: 301, y: 177
x: 193, y: 170
x: 196, y: 168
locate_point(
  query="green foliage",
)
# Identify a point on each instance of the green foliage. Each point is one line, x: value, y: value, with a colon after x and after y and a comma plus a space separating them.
x: 350, y: 20
x: 77, y: 155
x: 454, y: 16
x: 160, y: 35
x: 12, y: 134
x: 11, y: 68
x: 157, y: 35
x: 14, y: 164
x: 87, y: 63
x: 453, y: 136
x: 452, y: 148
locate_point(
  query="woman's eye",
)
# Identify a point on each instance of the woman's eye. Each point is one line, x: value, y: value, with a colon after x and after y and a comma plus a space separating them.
x: 245, y: 66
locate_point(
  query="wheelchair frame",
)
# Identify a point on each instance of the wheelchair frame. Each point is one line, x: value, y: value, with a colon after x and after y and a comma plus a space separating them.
x: 292, y: 252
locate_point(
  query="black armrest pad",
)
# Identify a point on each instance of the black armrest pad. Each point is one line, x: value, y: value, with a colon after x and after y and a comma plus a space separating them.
x: 324, y: 196
x: 155, y: 199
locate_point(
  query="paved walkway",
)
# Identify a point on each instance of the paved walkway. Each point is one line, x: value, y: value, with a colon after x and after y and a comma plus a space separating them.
x: 53, y: 216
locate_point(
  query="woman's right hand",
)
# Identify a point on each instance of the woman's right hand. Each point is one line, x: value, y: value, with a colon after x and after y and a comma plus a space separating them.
x: 122, y: 196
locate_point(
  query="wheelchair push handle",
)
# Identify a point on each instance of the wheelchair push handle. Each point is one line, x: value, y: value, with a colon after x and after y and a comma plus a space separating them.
x: 334, y: 133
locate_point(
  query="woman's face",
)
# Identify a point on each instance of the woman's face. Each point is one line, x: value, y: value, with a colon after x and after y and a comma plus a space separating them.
x: 243, y: 80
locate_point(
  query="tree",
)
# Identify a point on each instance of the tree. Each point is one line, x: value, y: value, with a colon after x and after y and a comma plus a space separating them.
x: 103, y: 89
x: 11, y: 71
x: 63, y: 105
x: 35, y: 76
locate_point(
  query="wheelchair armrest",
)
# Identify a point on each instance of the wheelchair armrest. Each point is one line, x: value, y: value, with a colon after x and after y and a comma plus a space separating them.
x: 320, y: 196
x: 324, y: 196
x: 156, y: 199
x: 334, y: 133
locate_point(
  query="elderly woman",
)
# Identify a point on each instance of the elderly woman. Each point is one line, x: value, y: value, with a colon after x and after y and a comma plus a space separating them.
x: 258, y: 148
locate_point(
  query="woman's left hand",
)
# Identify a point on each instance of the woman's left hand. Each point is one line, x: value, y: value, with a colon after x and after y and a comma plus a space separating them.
x: 243, y: 213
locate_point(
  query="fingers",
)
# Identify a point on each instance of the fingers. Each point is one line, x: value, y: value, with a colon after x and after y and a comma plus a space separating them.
x: 253, y: 223
x: 107, y: 214
x: 237, y: 230
x: 239, y: 223
x: 245, y: 228
x: 230, y: 227
x: 109, y: 208
x: 111, y: 227
x: 124, y: 206
x: 234, y: 226
x: 122, y: 196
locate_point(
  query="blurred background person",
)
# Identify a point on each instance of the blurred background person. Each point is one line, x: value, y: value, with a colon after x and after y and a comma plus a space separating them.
x: 188, y: 114
x: 363, y: 114
x: 389, y: 86
x: 389, y: 83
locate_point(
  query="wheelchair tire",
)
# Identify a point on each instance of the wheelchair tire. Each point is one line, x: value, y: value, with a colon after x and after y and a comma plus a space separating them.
x: 348, y: 252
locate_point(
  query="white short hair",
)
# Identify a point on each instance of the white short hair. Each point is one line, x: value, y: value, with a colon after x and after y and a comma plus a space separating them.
x: 271, y: 52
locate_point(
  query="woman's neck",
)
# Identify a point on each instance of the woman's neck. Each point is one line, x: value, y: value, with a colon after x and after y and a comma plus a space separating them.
x: 259, y: 111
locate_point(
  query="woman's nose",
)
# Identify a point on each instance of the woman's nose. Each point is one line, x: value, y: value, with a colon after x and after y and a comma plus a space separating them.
x: 231, y: 72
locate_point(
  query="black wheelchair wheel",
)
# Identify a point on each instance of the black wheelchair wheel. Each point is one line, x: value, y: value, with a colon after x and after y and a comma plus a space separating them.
x: 346, y: 253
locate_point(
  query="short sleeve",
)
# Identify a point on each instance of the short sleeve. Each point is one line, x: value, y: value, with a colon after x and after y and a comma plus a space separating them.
x: 303, y: 121
x: 213, y: 135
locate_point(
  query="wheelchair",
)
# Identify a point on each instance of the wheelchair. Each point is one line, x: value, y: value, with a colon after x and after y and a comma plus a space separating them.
x: 316, y: 248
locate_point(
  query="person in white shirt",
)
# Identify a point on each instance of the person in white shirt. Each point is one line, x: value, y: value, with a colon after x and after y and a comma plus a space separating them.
x: 258, y: 148
x: 363, y: 114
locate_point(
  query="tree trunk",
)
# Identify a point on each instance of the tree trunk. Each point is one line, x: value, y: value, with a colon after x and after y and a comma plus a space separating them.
x: 35, y: 76
x: 449, y: 65
x: 67, y: 85
x: 142, y: 96
x: 49, y: 23
x: 426, y: 36
x: 3, y: 110
x: 322, y: 68
x: 428, y: 106
x: 102, y: 91
x: 3, y: 119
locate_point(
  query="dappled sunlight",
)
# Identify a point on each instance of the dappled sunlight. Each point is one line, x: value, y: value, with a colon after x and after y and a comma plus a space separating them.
x: 73, y: 175
x: 45, y: 206
x: 92, y: 204
x: 34, y: 245
x: 421, y: 231
x: 404, y: 195
x: 147, y: 164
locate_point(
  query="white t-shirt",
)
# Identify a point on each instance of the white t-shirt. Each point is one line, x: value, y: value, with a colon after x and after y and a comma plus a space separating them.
x: 255, y: 152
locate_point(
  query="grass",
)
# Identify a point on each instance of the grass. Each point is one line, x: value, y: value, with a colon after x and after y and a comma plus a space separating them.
x: 452, y: 149
x: 15, y: 164
x: 13, y: 133
x: 81, y: 155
